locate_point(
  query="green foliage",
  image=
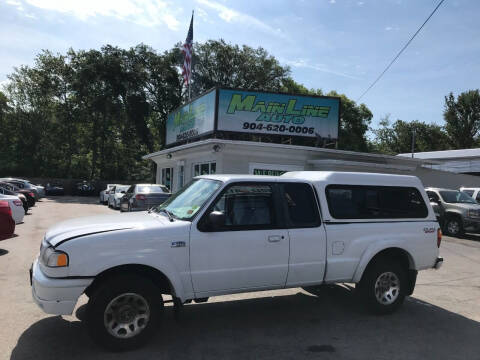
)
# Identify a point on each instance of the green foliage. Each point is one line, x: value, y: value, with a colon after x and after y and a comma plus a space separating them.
x: 462, y: 117
x: 93, y: 114
x: 88, y: 114
x: 397, y: 137
x: 216, y: 63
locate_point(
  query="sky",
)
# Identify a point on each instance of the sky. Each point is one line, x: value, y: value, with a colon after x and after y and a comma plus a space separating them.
x: 340, y: 45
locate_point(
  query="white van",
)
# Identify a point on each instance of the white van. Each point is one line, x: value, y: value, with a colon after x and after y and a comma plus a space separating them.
x: 224, y: 234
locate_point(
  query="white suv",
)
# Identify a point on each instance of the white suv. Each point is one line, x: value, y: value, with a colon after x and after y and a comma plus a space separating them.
x: 224, y: 234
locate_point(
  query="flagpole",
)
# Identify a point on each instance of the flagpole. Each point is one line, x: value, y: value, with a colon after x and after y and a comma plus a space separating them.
x: 191, y: 69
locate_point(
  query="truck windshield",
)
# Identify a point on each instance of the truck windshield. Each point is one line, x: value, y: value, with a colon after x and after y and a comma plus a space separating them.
x: 186, y: 202
x: 452, y: 196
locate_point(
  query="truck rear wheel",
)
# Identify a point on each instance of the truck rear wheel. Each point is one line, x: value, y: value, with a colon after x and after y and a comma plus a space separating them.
x: 383, y: 286
x: 123, y: 312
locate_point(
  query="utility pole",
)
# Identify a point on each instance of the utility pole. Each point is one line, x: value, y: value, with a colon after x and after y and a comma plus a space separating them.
x: 413, y: 142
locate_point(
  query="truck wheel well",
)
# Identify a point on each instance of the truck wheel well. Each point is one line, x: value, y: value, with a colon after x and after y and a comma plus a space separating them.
x: 154, y: 275
x: 452, y: 215
x: 403, y: 258
x: 395, y: 254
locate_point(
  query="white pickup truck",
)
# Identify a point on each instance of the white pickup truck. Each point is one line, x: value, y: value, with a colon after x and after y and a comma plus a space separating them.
x: 224, y: 234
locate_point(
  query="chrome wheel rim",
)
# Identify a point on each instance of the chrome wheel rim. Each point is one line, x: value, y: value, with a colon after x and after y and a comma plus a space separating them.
x: 387, y: 288
x: 126, y: 316
x: 453, y: 227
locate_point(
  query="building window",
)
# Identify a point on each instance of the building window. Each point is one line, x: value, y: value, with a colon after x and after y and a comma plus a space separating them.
x: 167, y: 177
x: 181, y: 175
x: 204, y: 168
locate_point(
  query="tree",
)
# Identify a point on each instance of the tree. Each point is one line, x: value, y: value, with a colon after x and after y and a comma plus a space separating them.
x: 397, y: 137
x: 462, y: 117
x: 354, y: 123
x: 94, y: 114
x: 216, y: 63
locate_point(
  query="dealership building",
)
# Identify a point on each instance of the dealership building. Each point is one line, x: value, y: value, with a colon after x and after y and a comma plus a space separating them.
x: 206, y: 136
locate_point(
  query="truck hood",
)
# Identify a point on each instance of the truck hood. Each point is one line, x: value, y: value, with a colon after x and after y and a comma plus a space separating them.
x: 91, y: 225
x: 464, y: 206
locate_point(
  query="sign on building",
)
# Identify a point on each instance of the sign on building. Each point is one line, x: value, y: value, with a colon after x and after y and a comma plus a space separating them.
x: 255, y: 112
x: 281, y: 114
x: 192, y: 120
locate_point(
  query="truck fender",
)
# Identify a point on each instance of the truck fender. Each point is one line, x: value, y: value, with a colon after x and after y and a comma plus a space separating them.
x: 166, y: 268
x: 454, y: 213
x: 375, y: 248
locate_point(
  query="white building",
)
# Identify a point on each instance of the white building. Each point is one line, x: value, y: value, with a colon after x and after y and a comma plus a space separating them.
x: 464, y: 161
x: 196, y: 142
x: 178, y: 165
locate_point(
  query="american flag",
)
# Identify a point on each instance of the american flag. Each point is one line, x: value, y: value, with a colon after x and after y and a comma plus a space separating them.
x: 187, y: 52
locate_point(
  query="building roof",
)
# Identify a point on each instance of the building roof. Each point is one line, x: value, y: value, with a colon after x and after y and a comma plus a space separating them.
x: 445, y: 154
x: 334, y: 152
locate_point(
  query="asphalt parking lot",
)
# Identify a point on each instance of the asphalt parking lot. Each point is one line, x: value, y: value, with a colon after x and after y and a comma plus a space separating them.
x: 440, y: 321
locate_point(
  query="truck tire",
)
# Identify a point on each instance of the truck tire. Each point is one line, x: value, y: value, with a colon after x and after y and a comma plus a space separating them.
x: 454, y: 226
x: 124, y: 312
x: 383, y: 286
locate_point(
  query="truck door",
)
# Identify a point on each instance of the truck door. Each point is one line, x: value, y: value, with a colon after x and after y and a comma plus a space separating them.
x: 249, y: 250
x: 307, y: 235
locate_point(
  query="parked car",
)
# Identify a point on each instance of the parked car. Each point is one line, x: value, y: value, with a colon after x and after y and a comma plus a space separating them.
x: 54, y: 189
x: 84, y: 188
x: 7, y: 224
x: 19, y: 195
x: 473, y: 192
x: 30, y: 195
x: 104, y: 194
x: 224, y: 234
x: 16, y: 205
x: 460, y: 211
x: 115, y: 194
x: 38, y: 190
x: 141, y: 197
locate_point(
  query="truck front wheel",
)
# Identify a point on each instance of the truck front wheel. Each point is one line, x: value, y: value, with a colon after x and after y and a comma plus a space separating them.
x: 454, y: 226
x: 123, y: 312
x: 383, y: 286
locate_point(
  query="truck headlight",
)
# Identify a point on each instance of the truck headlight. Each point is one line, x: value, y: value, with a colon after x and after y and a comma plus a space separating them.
x: 54, y: 258
x: 473, y: 213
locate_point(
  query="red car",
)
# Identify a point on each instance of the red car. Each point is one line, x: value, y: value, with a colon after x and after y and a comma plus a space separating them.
x: 7, y: 224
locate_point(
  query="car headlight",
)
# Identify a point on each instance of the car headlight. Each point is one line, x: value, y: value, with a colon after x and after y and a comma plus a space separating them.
x: 54, y: 258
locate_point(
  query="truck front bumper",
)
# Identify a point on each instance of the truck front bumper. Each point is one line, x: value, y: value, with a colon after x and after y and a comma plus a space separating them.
x: 471, y: 225
x: 56, y: 296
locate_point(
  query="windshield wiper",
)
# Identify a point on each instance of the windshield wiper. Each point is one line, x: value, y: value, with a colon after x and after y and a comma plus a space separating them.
x: 169, y: 214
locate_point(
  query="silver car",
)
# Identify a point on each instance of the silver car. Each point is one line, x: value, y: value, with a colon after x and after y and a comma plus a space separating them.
x: 459, y: 212
x: 38, y: 190
x: 140, y: 197
x: 115, y: 194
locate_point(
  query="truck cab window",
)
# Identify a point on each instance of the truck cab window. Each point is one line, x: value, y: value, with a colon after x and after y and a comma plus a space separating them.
x: 247, y: 206
x: 302, y: 209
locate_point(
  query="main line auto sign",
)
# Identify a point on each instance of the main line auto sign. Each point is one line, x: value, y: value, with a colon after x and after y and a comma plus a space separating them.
x: 273, y: 113
x: 254, y: 112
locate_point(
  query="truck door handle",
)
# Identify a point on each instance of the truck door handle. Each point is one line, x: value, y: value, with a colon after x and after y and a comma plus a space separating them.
x: 275, y: 238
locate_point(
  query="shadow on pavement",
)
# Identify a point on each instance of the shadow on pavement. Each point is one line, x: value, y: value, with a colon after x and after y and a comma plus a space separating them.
x: 469, y: 236
x: 73, y: 199
x: 3, y: 252
x: 331, y: 325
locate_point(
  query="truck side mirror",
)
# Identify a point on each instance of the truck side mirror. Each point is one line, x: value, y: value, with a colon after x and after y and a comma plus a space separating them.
x: 216, y: 219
